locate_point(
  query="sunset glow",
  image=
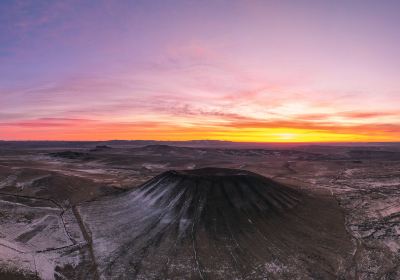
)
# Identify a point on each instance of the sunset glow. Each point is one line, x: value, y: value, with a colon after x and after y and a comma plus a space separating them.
x: 254, y: 71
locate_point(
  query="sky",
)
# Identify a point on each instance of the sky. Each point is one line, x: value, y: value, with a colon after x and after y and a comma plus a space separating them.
x: 254, y: 71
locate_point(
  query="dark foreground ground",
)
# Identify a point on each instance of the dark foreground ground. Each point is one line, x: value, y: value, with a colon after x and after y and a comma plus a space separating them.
x: 74, y: 211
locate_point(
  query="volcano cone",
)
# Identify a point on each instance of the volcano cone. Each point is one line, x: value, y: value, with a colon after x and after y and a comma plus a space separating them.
x: 215, y: 223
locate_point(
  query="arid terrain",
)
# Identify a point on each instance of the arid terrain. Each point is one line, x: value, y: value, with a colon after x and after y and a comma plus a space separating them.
x: 83, y: 210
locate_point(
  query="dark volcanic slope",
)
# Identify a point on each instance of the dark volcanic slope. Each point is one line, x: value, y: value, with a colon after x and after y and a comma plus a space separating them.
x: 217, y: 223
x: 212, y: 196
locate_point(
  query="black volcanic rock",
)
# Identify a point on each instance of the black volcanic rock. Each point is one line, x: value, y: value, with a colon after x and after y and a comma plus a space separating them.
x: 217, y: 223
x: 213, y: 194
x: 100, y: 148
x: 71, y: 155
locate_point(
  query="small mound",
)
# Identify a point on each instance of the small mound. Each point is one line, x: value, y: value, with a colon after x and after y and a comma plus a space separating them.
x: 100, y: 148
x: 71, y: 155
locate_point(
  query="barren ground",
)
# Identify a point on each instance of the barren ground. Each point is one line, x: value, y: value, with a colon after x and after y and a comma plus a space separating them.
x: 44, y: 189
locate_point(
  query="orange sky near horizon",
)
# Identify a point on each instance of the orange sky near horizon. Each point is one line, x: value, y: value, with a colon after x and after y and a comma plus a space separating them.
x: 97, y: 131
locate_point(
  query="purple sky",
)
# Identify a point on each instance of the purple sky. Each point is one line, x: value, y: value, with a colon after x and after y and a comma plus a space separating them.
x: 235, y: 70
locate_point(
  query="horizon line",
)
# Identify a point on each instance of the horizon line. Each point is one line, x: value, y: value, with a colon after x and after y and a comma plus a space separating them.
x: 206, y: 140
